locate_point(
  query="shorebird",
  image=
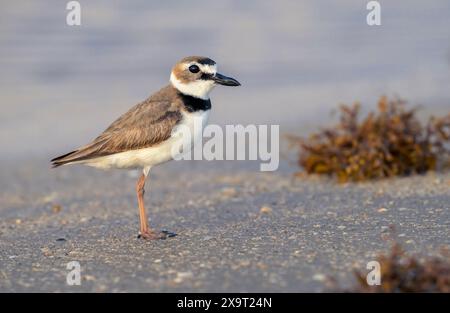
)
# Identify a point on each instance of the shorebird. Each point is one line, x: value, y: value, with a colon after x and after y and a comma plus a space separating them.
x: 145, y: 135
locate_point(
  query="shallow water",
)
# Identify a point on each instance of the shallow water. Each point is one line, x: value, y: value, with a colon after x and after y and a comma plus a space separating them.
x: 61, y: 85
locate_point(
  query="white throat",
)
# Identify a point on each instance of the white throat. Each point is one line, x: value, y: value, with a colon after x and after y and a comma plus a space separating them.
x: 199, y: 89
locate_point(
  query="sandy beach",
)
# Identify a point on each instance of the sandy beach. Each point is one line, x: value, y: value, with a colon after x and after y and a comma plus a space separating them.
x: 238, y: 229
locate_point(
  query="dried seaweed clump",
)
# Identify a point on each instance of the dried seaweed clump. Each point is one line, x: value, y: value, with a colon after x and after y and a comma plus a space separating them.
x: 403, y: 273
x: 388, y: 142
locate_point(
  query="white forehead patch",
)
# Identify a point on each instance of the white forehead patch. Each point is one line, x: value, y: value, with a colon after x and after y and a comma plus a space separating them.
x: 205, y: 68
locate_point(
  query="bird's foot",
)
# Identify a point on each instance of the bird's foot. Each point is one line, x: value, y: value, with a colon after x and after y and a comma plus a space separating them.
x: 154, y: 235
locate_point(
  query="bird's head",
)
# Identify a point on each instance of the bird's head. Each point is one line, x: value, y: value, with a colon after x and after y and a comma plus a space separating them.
x: 197, y: 76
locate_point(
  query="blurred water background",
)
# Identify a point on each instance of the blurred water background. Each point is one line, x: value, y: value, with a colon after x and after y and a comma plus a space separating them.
x: 60, y: 85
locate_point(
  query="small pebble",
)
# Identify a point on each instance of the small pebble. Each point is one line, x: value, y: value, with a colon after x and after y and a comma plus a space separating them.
x: 265, y: 210
x: 46, y: 251
x: 319, y: 277
x: 56, y: 208
x: 88, y: 277
x: 181, y: 276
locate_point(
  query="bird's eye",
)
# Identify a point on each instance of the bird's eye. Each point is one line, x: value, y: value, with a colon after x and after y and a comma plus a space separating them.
x: 194, y: 69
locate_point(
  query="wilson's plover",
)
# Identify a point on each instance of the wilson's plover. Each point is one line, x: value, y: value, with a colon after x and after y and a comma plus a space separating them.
x: 145, y: 135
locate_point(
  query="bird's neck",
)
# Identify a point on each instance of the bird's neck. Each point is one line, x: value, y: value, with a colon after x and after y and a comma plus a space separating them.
x: 194, y: 104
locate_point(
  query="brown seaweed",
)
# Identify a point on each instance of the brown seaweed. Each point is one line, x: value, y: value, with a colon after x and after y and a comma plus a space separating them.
x: 388, y: 142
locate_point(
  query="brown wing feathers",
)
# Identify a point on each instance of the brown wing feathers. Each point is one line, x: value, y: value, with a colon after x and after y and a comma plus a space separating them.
x: 143, y: 126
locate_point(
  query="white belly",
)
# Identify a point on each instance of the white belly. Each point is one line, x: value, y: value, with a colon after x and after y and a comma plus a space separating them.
x: 162, y: 152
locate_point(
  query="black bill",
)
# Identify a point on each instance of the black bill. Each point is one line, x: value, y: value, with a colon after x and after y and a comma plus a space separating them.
x: 225, y: 80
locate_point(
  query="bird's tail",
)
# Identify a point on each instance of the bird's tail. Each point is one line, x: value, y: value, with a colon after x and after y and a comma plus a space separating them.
x: 63, y: 159
x: 90, y: 151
